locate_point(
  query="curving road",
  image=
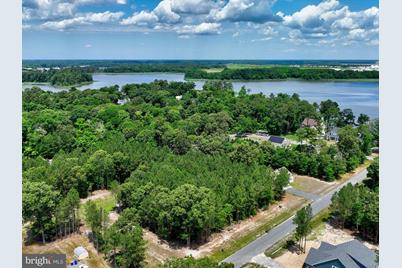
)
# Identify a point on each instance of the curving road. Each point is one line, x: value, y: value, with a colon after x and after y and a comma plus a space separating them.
x: 277, y: 233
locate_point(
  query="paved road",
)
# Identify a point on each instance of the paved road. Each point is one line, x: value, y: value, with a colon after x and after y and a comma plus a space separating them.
x: 305, y: 195
x: 267, y: 240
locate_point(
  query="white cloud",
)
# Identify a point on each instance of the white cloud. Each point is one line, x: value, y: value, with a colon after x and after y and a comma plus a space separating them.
x: 236, y: 34
x: 57, y: 9
x: 47, y: 9
x: 329, y: 19
x: 269, y: 31
x: 165, y: 14
x: 88, y: 46
x: 104, y: 16
x: 194, y: 6
x: 84, y: 19
x: 141, y: 18
x: 161, y: 14
x: 310, y: 16
x: 204, y: 28
x: 246, y: 10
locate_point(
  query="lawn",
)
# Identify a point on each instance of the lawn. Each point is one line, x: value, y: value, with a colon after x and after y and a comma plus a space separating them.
x: 107, y: 203
x: 213, y: 70
x: 248, y: 66
x: 311, y: 185
x: 291, y: 137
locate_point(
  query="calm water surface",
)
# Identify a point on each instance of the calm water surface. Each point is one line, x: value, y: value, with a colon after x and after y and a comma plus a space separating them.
x: 362, y: 97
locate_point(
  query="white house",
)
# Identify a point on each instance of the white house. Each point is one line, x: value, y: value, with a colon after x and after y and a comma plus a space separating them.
x: 81, y: 253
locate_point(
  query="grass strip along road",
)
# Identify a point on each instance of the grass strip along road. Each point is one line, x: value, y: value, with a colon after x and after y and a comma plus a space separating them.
x: 276, y: 234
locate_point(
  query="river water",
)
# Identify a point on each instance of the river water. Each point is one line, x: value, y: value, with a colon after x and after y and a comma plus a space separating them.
x: 361, y: 97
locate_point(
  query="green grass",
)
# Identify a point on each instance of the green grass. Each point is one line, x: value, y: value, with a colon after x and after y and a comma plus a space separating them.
x: 237, y: 244
x: 316, y: 224
x: 107, y: 203
x: 248, y: 66
x: 251, y: 236
x: 291, y: 136
x: 213, y: 70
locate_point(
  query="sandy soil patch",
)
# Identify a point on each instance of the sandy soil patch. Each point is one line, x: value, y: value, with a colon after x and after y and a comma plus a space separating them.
x: 159, y: 250
x: 327, y: 234
x: 311, y: 184
x: 99, y: 194
x: 66, y: 246
x: 113, y: 217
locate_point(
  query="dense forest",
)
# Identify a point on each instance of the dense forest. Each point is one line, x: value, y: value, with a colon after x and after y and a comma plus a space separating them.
x: 170, y: 161
x: 280, y: 73
x: 62, y: 77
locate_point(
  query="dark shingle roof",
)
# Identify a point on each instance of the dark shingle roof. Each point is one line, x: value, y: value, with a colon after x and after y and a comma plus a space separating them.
x: 309, y: 122
x: 352, y: 254
x: 276, y: 139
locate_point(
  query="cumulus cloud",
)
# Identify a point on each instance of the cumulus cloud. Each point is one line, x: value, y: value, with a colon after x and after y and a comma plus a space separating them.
x: 161, y: 14
x: 47, y: 9
x: 330, y: 19
x: 140, y: 18
x: 325, y: 23
x: 205, y: 28
x: 84, y: 19
x: 165, y: 14
x: 194, y: 6
x: 57, y: 9
x: 257, y: 11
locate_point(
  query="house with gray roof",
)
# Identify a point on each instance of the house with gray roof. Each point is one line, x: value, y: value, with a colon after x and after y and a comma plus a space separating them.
x: 352, y: 254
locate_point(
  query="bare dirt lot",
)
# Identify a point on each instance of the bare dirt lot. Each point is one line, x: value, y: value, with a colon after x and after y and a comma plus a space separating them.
x: 160, y: 250
x: 325, y: 233
x: 67, y: 246
x: 311, y: 185
x: 99, y: 194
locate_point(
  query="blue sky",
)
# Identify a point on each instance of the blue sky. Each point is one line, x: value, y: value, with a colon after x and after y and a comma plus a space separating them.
x: 200, y: 29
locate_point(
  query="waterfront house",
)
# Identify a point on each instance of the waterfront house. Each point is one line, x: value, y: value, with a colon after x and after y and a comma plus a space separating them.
x: 332, y: 134
x: 352, y: 254
x: 309, y: 123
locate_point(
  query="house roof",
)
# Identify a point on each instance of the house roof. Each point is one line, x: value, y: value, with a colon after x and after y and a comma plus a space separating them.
x: 80, y: 250
x: 309, y: 122
x: 276, y: 139
x: 352, y: 254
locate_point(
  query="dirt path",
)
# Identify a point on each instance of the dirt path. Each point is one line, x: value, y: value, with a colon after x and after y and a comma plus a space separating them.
x: 66, y: 246
x: 160, y: 250
x: 99, y: 194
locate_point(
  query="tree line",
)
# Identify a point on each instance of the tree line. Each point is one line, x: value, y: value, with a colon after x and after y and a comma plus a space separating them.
x: 280, y: 73
x: 62, y: 77
x: 357, y: 206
